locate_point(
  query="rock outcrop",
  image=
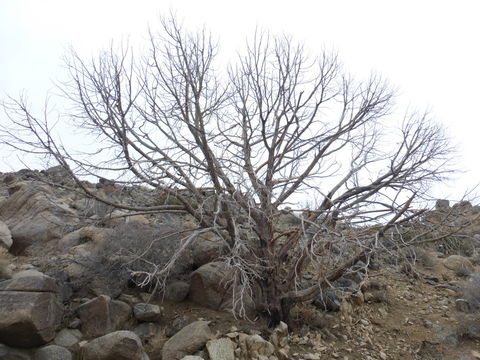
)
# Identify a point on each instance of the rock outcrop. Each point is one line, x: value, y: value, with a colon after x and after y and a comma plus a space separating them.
x: 30, y: 311
x: 5, y: 236
x: 35, y: 215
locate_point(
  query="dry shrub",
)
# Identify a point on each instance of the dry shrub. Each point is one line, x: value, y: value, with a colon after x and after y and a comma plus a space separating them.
x: 475, y: 260
x: 469, y: 325
x: 425, y: 257
x: 307, y: 314
x: 471, y: 292
x: 457, y: 245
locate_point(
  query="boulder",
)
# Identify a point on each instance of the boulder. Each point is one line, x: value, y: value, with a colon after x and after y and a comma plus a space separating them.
x: 191, y: 338
x: 176, y: 291
x: 5, y: 236
x: 27, y: 273
x: 221, y: 349
x: 146, y: 312
x: 208, y: 248
x: 118, y: 345
x: 209, y: 287
x: 6, y: 269
x: 459, y: 264
x: 7, y: 353
x: 102, y: 315
x: 68, y: 338
x: 176, y: 325
x: 146, y: 330
x: 35, y: 215
x: 30, y: 311
x: 442, y: 205
x: 58, y: 174
x: 53, y: 352
x: 92, y: 234
x: 192, y: 357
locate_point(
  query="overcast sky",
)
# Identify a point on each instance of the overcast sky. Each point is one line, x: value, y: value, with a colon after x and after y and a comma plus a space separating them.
x: 428, y: 49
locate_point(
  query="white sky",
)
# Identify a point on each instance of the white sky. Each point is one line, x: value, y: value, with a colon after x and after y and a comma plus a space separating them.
x: 429, y: 49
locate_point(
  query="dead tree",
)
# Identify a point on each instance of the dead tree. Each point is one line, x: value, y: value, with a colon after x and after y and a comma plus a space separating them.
x: 276, y: 128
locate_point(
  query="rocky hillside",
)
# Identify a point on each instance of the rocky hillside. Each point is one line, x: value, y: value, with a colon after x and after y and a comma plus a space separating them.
x: 70, y: 268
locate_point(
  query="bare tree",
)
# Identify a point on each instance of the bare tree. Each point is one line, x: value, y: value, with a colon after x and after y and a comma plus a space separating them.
x: 240, y: 148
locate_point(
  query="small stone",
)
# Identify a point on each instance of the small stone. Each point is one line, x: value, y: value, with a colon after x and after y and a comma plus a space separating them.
x: 146, y: 312
x: 357, y: 298
x: 310, y: 356
x: 221, y: 349
x: 462, y: 305
x: 75, y: 323
x: 428, y: 324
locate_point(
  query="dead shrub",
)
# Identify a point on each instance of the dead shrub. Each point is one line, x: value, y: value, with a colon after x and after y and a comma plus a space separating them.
x: 471, y: 292
x: 469, y: 325
x: 425, y: 257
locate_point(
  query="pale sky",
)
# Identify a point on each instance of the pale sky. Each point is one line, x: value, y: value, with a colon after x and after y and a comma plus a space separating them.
x: 428, y: 49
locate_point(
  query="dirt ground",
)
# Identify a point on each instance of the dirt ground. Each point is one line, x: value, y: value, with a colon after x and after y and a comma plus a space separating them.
x: 416, y: 320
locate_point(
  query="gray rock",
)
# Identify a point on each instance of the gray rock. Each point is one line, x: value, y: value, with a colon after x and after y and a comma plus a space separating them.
x: 257, y: 346
x: 209, y: 288
x: 35, y: 215
x: 462, y: 305
x: 53, y: 352
x: 30, y: 283
x: 146, y: 312
x: 221, y: 349
x: 75, y: 323
x: 442, y: 205
x: 177, y: 291
x: 208, y: 248
x: 428, y: 324
x: 7, y: 353
x: 95, y: 316
x: 176, y: 325
x: 208, y: 285
x: 102, y: 315
x: 191, y: 338
x: 118, y: 345
x: 459, y: 264
x: 6, y: 269
x: 446, y: 336
x: 30, y: 311
x: 3, y: 350
x: 26, y: 273
x: 68, y: 337
x: 146, y: 330
x: 5, y: 236
x: 120, y: 312
x: 192, y: 357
